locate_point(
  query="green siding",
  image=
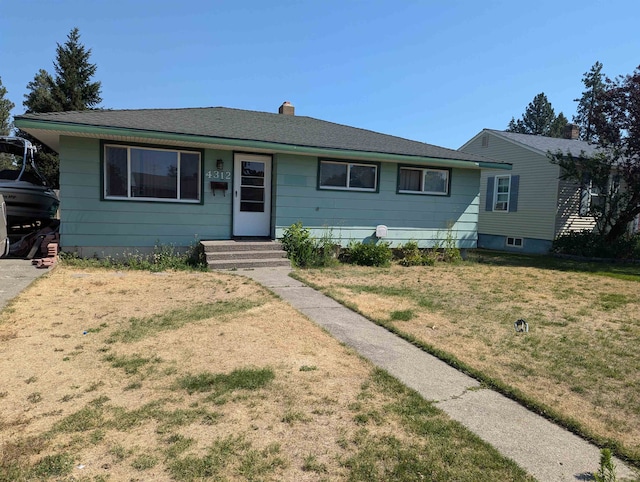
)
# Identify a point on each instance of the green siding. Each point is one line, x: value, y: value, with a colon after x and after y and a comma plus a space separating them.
x: 91, y: 225
x: 351, y: 215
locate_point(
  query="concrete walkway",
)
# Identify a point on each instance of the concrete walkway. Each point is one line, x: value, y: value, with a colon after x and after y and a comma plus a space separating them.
x: 546, y: 451
x: 16, y: 275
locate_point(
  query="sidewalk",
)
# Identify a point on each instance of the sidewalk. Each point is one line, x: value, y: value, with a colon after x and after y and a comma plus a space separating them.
x: 546, y: 451
x: 16, y: 275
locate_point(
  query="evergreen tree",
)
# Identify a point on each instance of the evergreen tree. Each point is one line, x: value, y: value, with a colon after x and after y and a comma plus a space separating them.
x: 539, y: 119
x: 40, y: 94
x: 71, y: 89
x: 5, y: 111
x: 589, y: 111
x: 557, y: 126
x: 5, y: 123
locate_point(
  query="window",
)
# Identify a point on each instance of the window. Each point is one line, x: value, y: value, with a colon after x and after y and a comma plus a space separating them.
x: 144, y: 173
x: 348, y: 175
x: 514, y: 242
x: 419, y: 180
x: 501, y: 197
x: 502, y: 193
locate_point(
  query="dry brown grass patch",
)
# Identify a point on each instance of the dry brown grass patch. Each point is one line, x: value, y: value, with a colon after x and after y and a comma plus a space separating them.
x: 580, y: 357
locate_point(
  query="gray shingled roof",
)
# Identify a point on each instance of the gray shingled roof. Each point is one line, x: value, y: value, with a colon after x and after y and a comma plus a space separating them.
x: 222, y: 122
x: 550, y: 144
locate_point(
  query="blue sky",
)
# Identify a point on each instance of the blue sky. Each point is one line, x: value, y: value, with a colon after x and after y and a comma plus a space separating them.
x: 433, y: 71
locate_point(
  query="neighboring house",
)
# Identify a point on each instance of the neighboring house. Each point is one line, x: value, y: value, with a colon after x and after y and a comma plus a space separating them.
x: 136, y: 178
x: 527, y: 208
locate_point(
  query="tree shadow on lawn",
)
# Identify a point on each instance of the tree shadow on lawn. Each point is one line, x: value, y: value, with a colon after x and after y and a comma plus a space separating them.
x: 619, y: 270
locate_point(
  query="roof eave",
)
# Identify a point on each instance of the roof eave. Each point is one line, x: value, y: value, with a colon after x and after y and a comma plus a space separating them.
x: 33, y: 126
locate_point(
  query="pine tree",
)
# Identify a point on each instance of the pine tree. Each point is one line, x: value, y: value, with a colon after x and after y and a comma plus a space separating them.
x: 589, y: 111
x: 5, y: 123
x: 40, y: 94
x: 71, y: 89
x: 539, y: 119
x: 5, y: 111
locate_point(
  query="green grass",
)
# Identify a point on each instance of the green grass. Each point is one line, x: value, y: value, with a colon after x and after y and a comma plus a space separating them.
x: 231, y: 455
x: 402, y: 315
x: 441, y: 449
x: 131, y: 364
x: 622, y: 271
x: 53, y: 466
x: 100, y: 415
x: 311, y: 464
x: 177, y: 445
x: 144, y: 462
x: 221, y: 383
x: 140, y: 328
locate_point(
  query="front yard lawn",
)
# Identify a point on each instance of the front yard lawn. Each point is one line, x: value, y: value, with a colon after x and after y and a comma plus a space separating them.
x: 129, y: 375
x: 579, y: 362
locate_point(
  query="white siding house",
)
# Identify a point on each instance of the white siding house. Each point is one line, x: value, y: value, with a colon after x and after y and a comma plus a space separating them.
x: 526, y: 209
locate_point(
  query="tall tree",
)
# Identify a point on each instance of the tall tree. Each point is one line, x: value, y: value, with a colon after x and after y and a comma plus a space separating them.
x: 539, y: 119
x: 72, y: 88
x: 5, y: 111
x: 613, y: 175
x: 39, y: 97
x: 5, y: 122
x: 589, y: 107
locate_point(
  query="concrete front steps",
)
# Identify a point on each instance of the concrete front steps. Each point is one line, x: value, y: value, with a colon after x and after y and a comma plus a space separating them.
x: 237, y: 254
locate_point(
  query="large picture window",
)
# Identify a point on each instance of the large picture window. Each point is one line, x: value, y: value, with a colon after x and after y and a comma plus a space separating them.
x: 348, y: 175
x: 418, y: 180
x: 151, y: 174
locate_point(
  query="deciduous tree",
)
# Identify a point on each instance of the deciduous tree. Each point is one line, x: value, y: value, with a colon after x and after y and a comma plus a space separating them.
x: 613, y: 175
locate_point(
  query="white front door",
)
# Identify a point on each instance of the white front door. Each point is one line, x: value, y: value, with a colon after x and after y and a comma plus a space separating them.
x: 251, y: 195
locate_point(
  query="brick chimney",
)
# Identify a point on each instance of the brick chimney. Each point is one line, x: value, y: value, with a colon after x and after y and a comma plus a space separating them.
x: 571, y: 131
x: 287, y: 109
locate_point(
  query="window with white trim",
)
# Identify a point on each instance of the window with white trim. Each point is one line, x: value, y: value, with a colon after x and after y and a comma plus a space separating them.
x: 514, y: 242
x: 142, y: 173
x: 348, y: 175
x: 501, y: 194
x: 423, y: 180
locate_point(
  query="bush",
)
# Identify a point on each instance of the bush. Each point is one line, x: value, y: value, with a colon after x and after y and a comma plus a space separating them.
x: 299, y: 245
x: 304, y: 251
x: 593, y: 245
x: 451, y: 252
x: 369, y: 254
x: 409, y: 254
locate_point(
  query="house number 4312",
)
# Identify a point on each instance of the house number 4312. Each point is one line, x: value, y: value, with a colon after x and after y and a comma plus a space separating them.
x: 219, y: 174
